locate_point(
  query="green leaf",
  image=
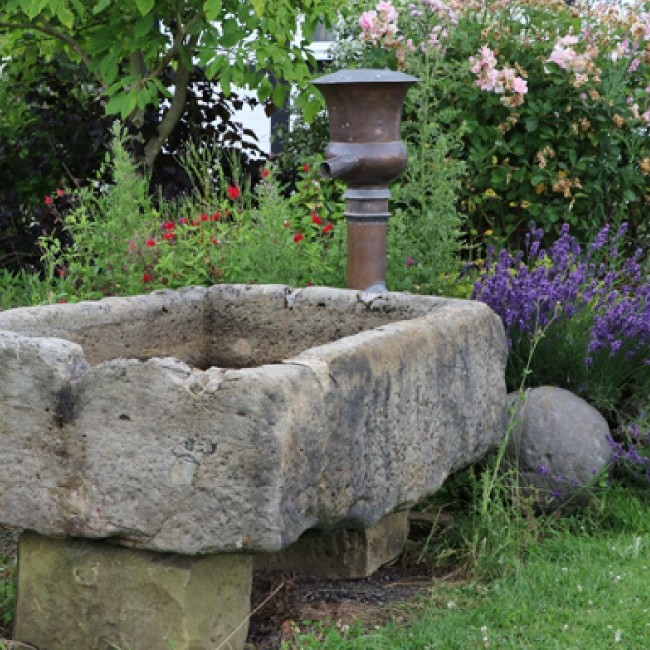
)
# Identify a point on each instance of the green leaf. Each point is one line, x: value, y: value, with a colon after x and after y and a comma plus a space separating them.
x: 224, y: 80
x: 259, y: 6
x: 65, y: 16
x: 216, y: 66
x: 34, y: 7
x: 144, y: 6
x: 311, y: 110
x: 231, y: 34
x: 79, y: 8
x: 264, y: 89
x: 129, y: 105
x: 143, y: 26
x: 280, y: 93
x: 531, y: 124
x: 212, y: 9
x: 108, y: 68
x: 115, y: 104
x: 573, y: 156
x: 100, y: 6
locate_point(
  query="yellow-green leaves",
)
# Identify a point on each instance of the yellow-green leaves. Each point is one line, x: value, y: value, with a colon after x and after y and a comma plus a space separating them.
x: 144, y: 6
x: 100, y: 6
x: 64, y: 14
x: 259, y: 6
x: 212, y: 9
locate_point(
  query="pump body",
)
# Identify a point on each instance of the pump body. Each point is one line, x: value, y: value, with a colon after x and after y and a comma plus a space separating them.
x: 365, y: 110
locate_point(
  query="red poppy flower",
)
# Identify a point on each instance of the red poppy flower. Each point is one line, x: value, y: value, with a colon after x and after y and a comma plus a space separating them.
x: 169, y: 236
x: 265, y: 173
x: 316, y: 219
x: 150, y: 242
x: 204, y: 217
x: 60, y: 192
x: 233, y: 192
x: 168, y: 225
x: 306, y: 167
x: 147, y: 277
x: 216, y: 216
x: 328, y: 227
x: 183, y: 221
x: 298, y: 237
x: 48, y: 200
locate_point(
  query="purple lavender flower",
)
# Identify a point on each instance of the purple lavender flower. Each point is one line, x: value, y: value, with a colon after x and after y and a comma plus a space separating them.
x: 533, y: 289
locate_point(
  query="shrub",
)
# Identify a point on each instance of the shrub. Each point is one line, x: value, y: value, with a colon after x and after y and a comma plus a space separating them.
x: 553, y: 98
x: 121, y: 243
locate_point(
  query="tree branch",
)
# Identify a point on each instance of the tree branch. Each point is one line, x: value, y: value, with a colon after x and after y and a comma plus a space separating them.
x: 175, y: 111
x: 175, y: 49
x: 49, y: 30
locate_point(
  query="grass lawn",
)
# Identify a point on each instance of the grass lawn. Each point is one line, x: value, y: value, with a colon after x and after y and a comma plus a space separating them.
x: 580, y: 589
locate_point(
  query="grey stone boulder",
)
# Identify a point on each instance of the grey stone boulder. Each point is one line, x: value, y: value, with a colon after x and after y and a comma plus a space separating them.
x: 235, y: 418
x: 558, y: 440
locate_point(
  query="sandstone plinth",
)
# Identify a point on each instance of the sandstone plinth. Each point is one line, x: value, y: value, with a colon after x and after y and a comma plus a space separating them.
x: 77, y: 594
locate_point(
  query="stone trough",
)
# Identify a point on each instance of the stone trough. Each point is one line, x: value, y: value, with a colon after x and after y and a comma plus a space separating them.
x: 155, y: 445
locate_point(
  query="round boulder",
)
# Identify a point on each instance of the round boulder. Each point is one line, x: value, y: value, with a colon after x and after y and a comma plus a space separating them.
x: 558, y: 440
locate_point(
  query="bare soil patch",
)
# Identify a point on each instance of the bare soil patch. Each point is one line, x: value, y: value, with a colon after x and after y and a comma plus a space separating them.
x: 283, y: 602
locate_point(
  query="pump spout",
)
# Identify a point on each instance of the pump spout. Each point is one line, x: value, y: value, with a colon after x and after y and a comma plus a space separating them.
x: 338, y: 166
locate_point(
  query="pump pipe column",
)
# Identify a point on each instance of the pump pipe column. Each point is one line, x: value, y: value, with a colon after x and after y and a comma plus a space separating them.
x: 365, y: 151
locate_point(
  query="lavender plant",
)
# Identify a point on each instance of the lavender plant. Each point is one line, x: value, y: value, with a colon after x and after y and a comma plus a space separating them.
x: 594, y: 302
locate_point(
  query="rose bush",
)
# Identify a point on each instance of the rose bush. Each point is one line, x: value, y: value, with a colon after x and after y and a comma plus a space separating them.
x: 551, y: 98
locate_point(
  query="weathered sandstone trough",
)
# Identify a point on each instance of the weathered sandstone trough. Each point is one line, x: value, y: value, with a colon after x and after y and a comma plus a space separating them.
x: 218, y: 423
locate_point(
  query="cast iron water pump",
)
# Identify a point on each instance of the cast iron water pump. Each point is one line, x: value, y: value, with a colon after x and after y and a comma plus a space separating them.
x: 365, y: 111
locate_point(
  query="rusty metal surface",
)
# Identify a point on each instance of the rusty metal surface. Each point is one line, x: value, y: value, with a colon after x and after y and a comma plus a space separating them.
x: 365, y: 112
x: 367, y: 255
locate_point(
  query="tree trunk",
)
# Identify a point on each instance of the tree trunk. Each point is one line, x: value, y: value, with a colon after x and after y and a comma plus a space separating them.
x: 175, y: 111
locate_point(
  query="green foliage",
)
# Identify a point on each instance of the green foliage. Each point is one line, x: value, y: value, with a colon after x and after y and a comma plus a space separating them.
x: 128, y: 47
x: 223, y: 232
x: 553, y: 142
x: 122, y: 244
x: 21, y: 289
x: 7, y: 592
x: 425, y: 232
x: 102, y: 227
x: 51, y: 134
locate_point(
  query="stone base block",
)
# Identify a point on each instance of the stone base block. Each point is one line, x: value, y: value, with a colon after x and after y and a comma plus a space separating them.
x: 89, y: 595
x: 342, y: 554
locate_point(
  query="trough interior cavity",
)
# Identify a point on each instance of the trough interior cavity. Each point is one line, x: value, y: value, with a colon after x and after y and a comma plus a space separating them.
x: 247, y: 340
x: 223, y: 326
